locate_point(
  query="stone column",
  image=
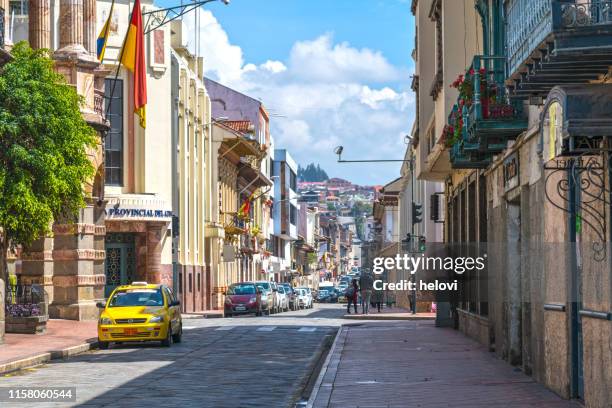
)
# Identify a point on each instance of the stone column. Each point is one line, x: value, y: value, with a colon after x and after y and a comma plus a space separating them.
x: 39, y: 26
x: 89, y: 26
x: 154, y: 251
x: 77, y: 278
x: 71, y: 23
x: 37, y: 265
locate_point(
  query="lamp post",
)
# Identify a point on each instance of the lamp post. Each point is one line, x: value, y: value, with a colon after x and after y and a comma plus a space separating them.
x: 408, y: 140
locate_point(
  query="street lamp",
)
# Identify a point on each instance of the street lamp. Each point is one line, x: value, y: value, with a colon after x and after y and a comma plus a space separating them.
x: 339, y: 149
x: 166, y: 15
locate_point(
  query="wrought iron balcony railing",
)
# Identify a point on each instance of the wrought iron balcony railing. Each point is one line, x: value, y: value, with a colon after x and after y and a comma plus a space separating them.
x: 484, y: 119
x: 547, y: 39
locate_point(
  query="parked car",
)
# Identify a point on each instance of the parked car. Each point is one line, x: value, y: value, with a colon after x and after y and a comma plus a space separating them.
x: 267, y: 299
x: 291, y: 295
x: 140, y: 312
x: 283, y: 299
x: 269, y: 296
x: 304, y: 298
x: 243, y: 298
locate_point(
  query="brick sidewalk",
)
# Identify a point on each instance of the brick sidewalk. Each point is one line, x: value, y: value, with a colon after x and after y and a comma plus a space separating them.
x: 63, y: 337
x: 415, y: 364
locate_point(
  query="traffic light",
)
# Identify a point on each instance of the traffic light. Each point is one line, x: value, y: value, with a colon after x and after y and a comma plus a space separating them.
x: 422, y: 244
x: 417, y: 213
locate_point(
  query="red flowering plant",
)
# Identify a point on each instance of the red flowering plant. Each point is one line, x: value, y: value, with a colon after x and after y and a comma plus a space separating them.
x: 465, y: 86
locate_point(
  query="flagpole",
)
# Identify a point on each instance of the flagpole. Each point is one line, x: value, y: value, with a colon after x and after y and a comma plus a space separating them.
x: 110, y: 101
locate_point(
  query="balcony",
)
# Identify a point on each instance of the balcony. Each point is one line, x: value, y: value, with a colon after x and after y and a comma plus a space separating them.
x: 484, y: 119
x: 556, y: 42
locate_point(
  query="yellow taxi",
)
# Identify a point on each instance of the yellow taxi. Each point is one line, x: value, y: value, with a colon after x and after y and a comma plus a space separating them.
x: 140, y: 312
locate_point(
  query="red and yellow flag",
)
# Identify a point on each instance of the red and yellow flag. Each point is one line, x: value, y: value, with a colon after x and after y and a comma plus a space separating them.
x: 133, y: 58
x: 245, y: 208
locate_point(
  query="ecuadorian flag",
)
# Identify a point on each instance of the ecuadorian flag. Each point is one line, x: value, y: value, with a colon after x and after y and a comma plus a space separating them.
x: 133, y: 59
x: 103, y: 37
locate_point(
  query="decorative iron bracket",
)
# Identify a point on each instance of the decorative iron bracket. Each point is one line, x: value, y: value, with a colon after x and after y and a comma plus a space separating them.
x: 588, y: 174
x: 161, y: 17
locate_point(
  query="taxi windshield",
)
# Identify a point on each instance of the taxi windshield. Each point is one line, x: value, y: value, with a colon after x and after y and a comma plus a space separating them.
x: 137, y: 297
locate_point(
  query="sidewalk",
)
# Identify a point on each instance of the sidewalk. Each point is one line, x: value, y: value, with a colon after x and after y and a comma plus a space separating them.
x: 62, y: 339
x: 415, y: 364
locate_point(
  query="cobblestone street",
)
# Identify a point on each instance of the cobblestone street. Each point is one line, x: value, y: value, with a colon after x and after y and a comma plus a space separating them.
x: 244, y: 361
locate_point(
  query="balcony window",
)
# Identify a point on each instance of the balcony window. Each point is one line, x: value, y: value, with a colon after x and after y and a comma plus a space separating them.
x: 435, y: 15
x: 113, y: 145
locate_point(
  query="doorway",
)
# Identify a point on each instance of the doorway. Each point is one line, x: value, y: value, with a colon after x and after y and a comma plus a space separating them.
x: 120, y: 262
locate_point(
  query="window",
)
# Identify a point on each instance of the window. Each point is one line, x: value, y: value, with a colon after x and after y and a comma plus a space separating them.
x: 113, y: 144
x: 436, y: 16
x: 199, y: 281
x: 292, y: 180
x: 293, y: 215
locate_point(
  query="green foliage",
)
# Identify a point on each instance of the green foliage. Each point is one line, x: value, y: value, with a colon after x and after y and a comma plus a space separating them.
x: 312, y: 173
x: 43, y: 147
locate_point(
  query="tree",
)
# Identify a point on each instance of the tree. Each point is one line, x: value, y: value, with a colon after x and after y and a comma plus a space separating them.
x: 44, y: 143
x: 312, y: 173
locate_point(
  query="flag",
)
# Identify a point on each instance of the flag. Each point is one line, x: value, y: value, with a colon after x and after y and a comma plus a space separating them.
x: 132, y: 58
x: 103, y: 37
x: 245, y: 208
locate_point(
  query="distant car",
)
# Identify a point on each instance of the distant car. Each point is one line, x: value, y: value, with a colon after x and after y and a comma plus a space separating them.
x: 243, y: 298
x: 291, y: 295
x: 283, y: 299
x: 304, y: 298
x: 140, y: 312
x: 322, y: 295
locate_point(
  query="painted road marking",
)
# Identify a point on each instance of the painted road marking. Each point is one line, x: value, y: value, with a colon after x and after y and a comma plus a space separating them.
x: 267, y: 328
x: 225, y: 328
x: 189, y: 327
x: 307, y: 329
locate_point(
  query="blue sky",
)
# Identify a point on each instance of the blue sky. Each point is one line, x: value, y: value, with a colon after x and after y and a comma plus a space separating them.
x: 332, y: 72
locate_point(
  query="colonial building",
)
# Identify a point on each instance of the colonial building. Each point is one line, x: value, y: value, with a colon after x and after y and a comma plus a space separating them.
x: 521, y: 141
x: 191, y: 193
x: 69, y: 265
x: 240, y: 149
x: 138, y: 162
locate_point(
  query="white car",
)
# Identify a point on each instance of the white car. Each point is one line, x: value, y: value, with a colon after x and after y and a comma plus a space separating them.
x: 283, y: 299
x: 305, y: 300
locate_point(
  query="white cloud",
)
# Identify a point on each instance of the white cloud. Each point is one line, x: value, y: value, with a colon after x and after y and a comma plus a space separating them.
x: 325, y: 94
x: 321, y: 60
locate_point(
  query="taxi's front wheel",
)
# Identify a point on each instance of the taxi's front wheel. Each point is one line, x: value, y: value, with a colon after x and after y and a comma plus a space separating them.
x: 176, y: 338
x: 167, y: 342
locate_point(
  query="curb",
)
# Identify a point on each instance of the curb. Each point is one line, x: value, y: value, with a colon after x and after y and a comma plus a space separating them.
x: 210, y: 315
x: 45, y: 357
x: 387, y: 317
x: 324, y: 367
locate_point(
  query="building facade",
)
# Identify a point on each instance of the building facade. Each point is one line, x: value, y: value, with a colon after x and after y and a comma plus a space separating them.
x: 191, y: 193
x: 524, y: 158
x: 138, y: 162
x: 70, y: 264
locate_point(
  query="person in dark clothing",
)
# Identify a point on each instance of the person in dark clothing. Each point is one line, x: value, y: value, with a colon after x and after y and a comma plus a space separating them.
x: 377, y: 299
x: 351, y: 296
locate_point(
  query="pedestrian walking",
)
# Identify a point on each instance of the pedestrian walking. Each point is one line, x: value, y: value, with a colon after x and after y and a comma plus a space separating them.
x: 377, y: 299
x: 351, y: 296
x: 366, y: 283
